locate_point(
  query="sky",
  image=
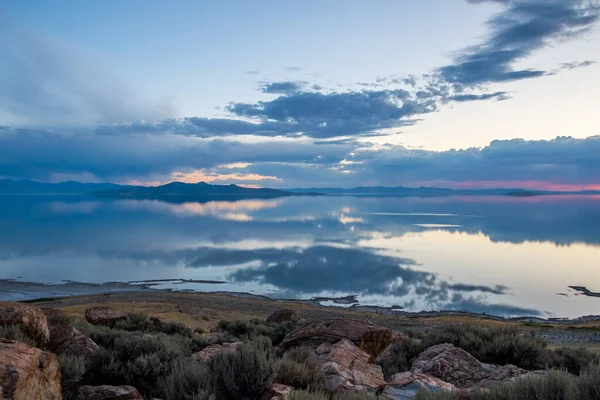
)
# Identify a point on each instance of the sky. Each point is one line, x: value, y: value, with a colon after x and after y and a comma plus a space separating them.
x: 302, y: 93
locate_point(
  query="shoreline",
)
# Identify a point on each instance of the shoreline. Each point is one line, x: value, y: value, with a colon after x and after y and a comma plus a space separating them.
x: 31, y: 292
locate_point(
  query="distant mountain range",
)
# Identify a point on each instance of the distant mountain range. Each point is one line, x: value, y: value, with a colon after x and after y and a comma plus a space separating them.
x: 178, y: 191
x: 423, y: 191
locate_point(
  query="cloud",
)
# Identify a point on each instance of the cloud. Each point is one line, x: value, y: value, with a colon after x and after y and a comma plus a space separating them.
x: 520, y: 29
x: 294, y: 162
x: 285, y: 87
x: 46, y: 82
x: 322, y: 115
x: 44, y: 154
x: 523, y: 28
x: 575, y: 65
x: 498, y: 96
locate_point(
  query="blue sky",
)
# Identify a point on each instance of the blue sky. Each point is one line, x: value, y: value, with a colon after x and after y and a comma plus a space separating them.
x: 302, y: 93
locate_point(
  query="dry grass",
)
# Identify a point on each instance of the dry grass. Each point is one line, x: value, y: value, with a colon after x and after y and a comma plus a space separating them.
x: 205, y: 310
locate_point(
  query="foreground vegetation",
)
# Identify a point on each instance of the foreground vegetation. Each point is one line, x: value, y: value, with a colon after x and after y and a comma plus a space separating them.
x: 156, y: 359
x: 504, y: 345
x: 557, y: 385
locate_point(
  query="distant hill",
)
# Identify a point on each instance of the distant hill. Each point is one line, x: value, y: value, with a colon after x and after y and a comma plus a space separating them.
x: 398, y: 191
x: 178, y: 191
x: 27, y: 187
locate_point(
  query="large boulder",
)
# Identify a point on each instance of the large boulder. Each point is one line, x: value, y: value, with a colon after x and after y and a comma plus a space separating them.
x: 283, y: 315
x: 28, y: 373
x: 454, y: 365
x: 106, y: 392
x: 373, y: 339
x: 31, y: 320
x: 104, y: 315
x: 66, y: 339
x: 346, y: 368
x: 278, y: 391
x: 404, y: 386
x: 210, y: 351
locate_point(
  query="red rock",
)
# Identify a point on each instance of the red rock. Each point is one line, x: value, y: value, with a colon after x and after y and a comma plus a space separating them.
x: 66, y: 339
x: 104, y: 315
x: 373, y: 339
x: 209, y: 352
x: 283, y: 315
x: 346, y: 368
x: 31, y: 320
x: 454, y: 365
x: 278, y: 391
x: 106, y: 392
x: 406, y: 385
x: 27, y: 373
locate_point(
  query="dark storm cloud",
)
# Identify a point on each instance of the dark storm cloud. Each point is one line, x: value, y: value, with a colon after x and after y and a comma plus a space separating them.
x: 560, y: 160
x: 498, y: 96
x: 313, y: 114
x: 42, y: 155
x: 459, y: 287
x: 525, y: 27
x: 323, y: 115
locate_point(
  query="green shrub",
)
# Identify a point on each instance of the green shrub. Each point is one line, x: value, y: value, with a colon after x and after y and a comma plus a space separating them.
x: 72, y: 369
x: 254, y: 328
x: 186, y: 381
x: 245, y: 373
x: 308, y: 395
x: 500, y: 346
x: 14, y: 332
x: 142, y: 323
x: 557, y: 385
x: 135, y: 359
x: 573, y: 360
x: 413, y: 333
x: 300, y: 368
x: 402, y: 354
x: 588, y: 384
x: 359, y: 396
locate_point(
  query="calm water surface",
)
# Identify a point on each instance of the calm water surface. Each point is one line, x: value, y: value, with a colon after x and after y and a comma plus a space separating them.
x: 500, y: 255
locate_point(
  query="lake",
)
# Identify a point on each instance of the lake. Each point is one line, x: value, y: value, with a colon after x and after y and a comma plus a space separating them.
x: 498, y: 255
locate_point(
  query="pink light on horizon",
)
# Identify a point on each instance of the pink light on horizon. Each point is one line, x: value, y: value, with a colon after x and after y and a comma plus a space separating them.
x: 514, y: 184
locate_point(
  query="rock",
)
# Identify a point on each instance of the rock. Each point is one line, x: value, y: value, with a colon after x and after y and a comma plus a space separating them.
x: 283, y: 315
x: 373, y: 339
x: 454, y: 365
x: 346, y: 368
x: 404, y: 386
x: 209, y: 352
x: 106, y: 392
x: 278, y: 391
x: 104, y: 315
x: 28, y: 373
x: 66, y: 339
x: 31, y: 320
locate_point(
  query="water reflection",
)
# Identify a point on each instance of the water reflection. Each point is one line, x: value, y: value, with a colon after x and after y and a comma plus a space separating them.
x: 488, y: 254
